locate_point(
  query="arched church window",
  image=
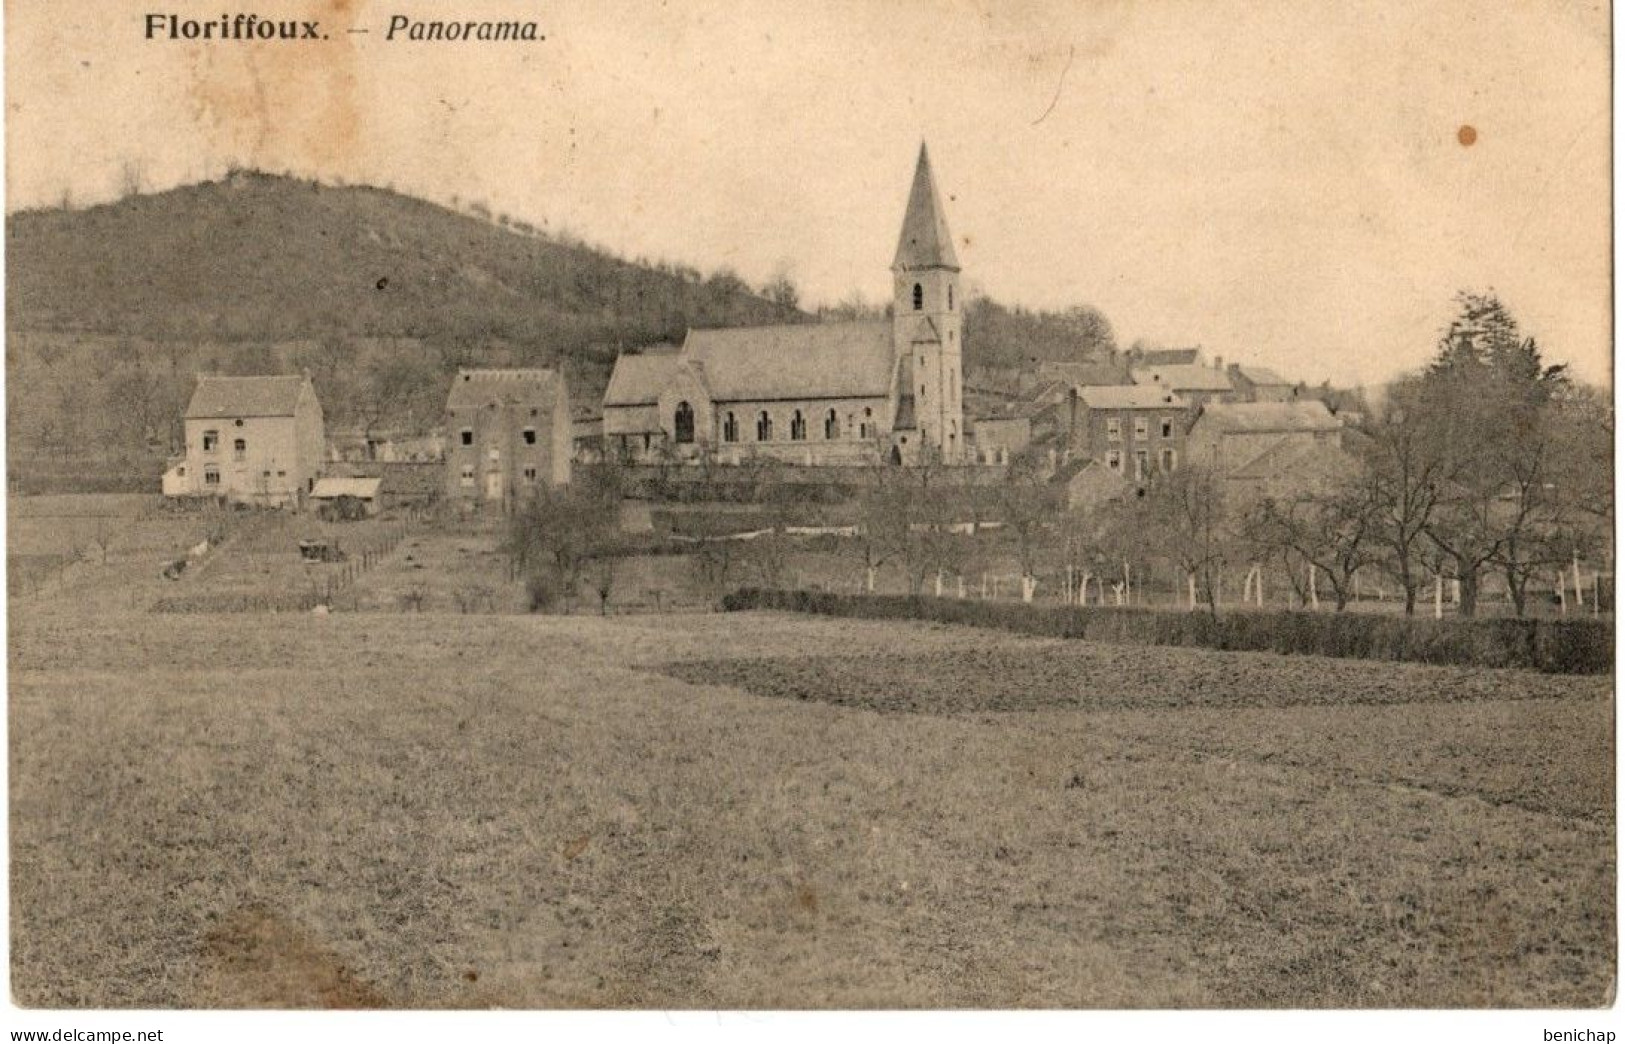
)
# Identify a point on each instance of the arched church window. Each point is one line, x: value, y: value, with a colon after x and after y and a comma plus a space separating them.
x: 798, y: 427
x: 919, y: 297
x: 832, y: 427
x: 684, y: 422
x: 764, y: 427
x: 730, y: 428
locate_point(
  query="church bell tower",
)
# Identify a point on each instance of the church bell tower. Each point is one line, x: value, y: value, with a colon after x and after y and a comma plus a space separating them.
x: 926, y: 309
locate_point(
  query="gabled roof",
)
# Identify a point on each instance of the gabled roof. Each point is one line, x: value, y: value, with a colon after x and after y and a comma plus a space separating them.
x: 245, y: 397
x: 1092, y: 484
x: 921, y: 330
x: 488, y: 387
x: 1262, y: 375
x: 1082, y: 372
x: 1130, y: 397
x: 1185, y: 377
x: 794, y: 361
x: 637, y: 380
x: 1170, y: 357
x: 925, y: 241
x: 1304, y: 459
x: 904, y: 421
x: 1303, y: 415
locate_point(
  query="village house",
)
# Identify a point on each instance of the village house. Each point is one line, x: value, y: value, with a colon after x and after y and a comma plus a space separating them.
x: 1001, y: 430
x: 1268, y: 448
x: 1259, y: 384
x: 250, y: 440
x: 1088, y: 486
x: 508, y: 435
x: 813, y: 393
x: 1133, y: 430
x: 1195, y: 383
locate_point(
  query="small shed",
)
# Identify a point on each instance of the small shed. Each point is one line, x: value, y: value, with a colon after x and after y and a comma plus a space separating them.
x: 346, y: 498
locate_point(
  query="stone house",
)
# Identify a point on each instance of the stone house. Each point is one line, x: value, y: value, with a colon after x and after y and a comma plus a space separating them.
x: 508, y: 436
x: 1133, y: 430
x: 1260, y: 384
x: 1193, y: 382
x: 1269, y: 448
x: 250, y: 440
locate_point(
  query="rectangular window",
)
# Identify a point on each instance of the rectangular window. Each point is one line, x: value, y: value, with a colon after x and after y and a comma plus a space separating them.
x: 1167, y: 460
x: 530, y: 476
x: 211, y: 475
x: 1142, y: 463
x: 1141, y: 428
x: 530, y: 436
x: 239, y: 449
x: 1167, y: 427
x: 211, y: 441
x: 1114, y: 460
x: 468, y: 475
x: 468, y: 436
x: 1114, y: 429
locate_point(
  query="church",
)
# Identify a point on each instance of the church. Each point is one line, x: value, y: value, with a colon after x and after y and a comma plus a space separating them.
x: 813, y: 393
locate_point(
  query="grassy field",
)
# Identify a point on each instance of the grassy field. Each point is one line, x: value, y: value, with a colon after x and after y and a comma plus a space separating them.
x: 758, y: 810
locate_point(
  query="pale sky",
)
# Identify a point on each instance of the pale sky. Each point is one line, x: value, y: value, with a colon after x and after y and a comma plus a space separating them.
x: 1280, y: 182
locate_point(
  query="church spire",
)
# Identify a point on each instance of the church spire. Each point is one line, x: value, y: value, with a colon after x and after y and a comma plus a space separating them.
x: 926, y: 241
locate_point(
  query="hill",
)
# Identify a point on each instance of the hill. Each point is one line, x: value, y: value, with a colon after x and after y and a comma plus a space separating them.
x: 263, y: 257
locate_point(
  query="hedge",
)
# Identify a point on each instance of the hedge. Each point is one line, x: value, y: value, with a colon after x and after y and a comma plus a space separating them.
x: 1552, y: 646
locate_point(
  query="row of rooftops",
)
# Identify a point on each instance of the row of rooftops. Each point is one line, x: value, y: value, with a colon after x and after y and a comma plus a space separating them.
x: 741, y: 364
x: 219, y: 397
x: 1297, y: 415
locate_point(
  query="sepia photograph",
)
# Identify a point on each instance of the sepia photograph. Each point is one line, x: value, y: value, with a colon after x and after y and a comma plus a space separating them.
x: 928, y: 505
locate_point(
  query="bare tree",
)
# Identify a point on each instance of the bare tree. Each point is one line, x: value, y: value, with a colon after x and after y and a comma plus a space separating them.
x: 1405, y: 470
x: 1029, y: 507
x: 1183, y: 519
x: 1332, y: 533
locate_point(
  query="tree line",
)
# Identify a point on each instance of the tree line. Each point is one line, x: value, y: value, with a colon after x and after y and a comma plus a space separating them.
x: 1487, y: 462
